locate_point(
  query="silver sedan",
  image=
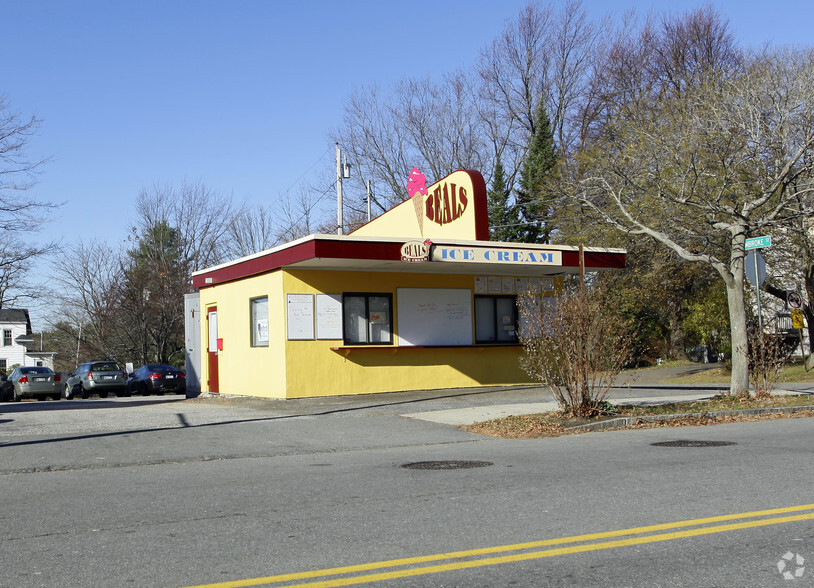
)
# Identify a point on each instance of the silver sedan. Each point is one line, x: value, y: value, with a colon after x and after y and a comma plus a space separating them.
x: 35, y: 382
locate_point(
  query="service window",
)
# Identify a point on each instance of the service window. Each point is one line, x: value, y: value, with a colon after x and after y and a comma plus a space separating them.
x: 367, y: 319
x: 259, y: 310
x: 495, y: 319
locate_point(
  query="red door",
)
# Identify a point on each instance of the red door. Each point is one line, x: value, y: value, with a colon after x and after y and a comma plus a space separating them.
x: 212, y: 349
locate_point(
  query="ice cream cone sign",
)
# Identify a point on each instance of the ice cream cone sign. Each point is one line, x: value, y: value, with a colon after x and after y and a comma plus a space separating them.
x: 416, y: 188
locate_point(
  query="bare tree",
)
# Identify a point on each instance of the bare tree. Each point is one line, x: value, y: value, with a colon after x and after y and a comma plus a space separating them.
x: 417, y: 123
x: 18, y: 172
x: 252, y: 230
x: 298, y: 218
x: 19, y: 214
x: 544, y: 55
x: 469, y: 119
x: 88, y: 290
x: 17, y: 289
x: 702, y: 168
x: 202, y: 215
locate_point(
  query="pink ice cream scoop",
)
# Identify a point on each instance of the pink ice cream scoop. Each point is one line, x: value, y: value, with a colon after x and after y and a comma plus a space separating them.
x: 416, y: 183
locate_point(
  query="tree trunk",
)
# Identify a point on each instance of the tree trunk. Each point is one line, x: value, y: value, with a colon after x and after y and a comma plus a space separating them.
x: 739, y: 384
x: 734, y: 280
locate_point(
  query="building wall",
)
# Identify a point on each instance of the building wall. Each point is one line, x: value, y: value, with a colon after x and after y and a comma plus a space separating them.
x: 192, y: 342
x: 14, y: 354
x: 297, y: 369
x: 243, y: 369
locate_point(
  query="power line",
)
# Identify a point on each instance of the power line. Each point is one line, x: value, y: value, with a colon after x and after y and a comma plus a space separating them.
x: 303, y: 174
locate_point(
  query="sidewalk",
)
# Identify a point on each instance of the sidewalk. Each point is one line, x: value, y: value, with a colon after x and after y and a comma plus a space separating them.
x: 465, y: 406
x: 650, y: 388
x: 475, y: 414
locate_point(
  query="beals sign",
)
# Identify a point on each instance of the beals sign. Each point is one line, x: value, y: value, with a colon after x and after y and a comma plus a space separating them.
x: 416, y: 251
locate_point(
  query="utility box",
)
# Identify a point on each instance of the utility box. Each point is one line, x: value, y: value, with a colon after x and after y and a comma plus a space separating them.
x: 192, y: 343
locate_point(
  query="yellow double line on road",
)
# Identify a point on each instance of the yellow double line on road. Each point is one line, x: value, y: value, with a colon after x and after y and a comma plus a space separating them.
x: 459, y: 560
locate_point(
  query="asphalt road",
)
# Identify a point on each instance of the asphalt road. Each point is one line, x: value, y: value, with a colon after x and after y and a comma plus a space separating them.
x: 174, y: 492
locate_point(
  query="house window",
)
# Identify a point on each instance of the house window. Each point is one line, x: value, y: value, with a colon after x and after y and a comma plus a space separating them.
x: 6, y: 337
x: 259, y: 310
x: 367, y: 318
x: 495, y: 319
x: 3, y: 366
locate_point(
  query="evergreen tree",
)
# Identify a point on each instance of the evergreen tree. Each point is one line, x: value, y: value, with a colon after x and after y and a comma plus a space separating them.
x: 503, y: 218
x: 534, y: 202
x: 152, y: 295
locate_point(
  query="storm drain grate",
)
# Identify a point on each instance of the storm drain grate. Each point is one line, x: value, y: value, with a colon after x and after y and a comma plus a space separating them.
x: 446, y: 465
x: 689, y: 443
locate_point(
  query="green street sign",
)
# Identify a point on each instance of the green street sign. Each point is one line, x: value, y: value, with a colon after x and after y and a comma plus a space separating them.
x: 758, y: 242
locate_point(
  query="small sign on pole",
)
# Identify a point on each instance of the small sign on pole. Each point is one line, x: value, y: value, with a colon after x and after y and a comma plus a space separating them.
x: 755, y: 268
x: 797, y: 319
x: 758, y: 242
x: 794, y: 299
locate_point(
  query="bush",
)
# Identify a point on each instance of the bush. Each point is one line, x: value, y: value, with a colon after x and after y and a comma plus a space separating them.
x: 767, y: 356
x: 576, y: 344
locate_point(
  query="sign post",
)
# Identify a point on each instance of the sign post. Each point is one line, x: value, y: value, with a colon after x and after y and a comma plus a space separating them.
x: 758, y: 243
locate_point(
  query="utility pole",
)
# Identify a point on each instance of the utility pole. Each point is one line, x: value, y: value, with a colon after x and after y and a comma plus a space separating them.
x: 342, y: 171
x: 339, y: 217
x: 368, y: 201
x: 78, y: 340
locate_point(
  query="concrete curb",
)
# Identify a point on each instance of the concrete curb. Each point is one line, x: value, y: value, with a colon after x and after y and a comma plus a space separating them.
x: 620, y: 422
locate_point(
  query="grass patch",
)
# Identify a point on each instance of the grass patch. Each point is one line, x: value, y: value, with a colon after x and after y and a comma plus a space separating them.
x: 793, y: 372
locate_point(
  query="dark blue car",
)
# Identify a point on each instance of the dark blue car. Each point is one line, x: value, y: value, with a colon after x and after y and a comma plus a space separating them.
x: 157, y: 378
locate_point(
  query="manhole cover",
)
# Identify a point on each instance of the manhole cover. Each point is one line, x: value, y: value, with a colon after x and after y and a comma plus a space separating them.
x: 688, y: 443
x: 446, y: 465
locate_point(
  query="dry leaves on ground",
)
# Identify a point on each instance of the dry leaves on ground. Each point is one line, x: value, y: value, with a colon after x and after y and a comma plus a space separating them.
x: 538, y: 426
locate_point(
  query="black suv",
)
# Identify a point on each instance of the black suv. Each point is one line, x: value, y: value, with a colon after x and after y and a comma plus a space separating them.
x: 96, y: 377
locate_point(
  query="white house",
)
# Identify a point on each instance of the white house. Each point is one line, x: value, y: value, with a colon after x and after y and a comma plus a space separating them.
x: 17, y: 338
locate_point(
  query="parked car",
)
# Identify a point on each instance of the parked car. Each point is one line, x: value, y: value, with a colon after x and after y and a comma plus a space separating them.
x: 96, y: 377
x: 36, y: 382
x: 156, y: 379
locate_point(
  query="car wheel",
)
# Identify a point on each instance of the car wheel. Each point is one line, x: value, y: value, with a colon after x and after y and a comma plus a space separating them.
x: 67, y: 394
x: 82, y: 392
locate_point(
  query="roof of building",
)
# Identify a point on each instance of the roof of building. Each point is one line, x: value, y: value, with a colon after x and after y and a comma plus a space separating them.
x: 446, y: 222
x: 15, y: 315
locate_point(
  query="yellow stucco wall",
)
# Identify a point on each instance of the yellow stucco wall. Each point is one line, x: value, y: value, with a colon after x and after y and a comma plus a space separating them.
x: 298, y: 369
x: 243, y: 369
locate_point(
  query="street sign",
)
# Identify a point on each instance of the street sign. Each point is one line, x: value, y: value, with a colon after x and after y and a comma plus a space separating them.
x: 755, y: 268
x: 797, y: 319
x: 794, y: 299
x: 758, y: 242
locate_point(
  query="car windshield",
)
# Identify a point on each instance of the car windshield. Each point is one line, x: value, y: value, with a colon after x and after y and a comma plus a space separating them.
x: 160, y: 368
x: 35, y: 370
x: 105, y: 367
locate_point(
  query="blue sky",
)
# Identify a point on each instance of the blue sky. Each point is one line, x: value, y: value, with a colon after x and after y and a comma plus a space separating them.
x: 240, y: 94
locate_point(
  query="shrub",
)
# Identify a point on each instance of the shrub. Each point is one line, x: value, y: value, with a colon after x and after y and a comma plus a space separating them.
x: 577, y: 344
